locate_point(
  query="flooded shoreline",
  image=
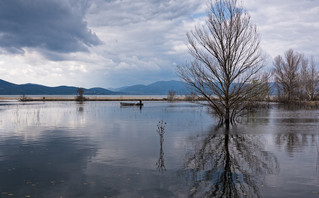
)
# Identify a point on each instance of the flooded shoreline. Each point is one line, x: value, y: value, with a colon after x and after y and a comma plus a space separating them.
x: 97, y: 149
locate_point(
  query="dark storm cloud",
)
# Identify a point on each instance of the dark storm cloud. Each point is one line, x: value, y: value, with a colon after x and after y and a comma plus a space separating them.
x: 121, y: 13
x: 54, y: 25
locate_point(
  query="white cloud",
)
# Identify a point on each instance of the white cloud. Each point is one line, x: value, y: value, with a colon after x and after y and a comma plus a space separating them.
x: 143, y: 40
x: 287, y: 24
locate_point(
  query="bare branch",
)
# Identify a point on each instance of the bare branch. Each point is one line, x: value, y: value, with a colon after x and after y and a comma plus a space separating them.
x: 227, y: 58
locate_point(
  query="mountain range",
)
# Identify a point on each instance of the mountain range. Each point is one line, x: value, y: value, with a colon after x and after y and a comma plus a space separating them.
x: 7, y: 88
x: 157, y: 88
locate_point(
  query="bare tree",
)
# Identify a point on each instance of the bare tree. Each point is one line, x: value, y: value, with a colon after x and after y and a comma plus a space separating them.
x: 227, y: 58
x: 265, y: 92
x: 80, y: 94
x: 303, y: 79
x: 286, y: 74
x: 24, y: 98
x: 311, y: 80
x: 171, y: 95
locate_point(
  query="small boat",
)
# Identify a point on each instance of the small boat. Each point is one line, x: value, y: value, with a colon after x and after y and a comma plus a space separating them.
x: 131, y: 104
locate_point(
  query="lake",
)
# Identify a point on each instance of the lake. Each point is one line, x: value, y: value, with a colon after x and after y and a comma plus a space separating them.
x: 99, y: 149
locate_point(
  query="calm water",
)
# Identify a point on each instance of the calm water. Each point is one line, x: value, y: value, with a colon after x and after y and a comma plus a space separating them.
x: 98, y: 149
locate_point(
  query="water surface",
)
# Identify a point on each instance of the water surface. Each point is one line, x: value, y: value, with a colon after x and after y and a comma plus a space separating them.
x: 98, y: 149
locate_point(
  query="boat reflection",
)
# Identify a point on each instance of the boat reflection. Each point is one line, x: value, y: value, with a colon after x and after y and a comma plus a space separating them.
x: 228, y: 165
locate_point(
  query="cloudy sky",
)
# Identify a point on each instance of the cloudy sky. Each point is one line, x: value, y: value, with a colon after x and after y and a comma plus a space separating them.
x: 113, y: 43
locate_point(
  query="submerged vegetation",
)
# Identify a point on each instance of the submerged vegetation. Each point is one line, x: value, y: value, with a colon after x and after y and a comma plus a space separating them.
x: 80, y: 95
x: 171, y: 95
x: 296, y: 78
x: 227, y: 61
x: 24, y: 98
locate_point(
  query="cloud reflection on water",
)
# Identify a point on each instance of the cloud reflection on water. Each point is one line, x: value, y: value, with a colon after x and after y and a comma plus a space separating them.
x: 99, y: 149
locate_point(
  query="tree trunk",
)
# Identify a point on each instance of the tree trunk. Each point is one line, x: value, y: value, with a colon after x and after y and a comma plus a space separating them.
x: 227, y: 117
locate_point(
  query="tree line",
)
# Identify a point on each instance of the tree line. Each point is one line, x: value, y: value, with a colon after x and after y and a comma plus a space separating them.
x: 296, y: 77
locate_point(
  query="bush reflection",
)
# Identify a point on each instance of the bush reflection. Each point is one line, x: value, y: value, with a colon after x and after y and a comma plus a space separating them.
x: 160, y: 162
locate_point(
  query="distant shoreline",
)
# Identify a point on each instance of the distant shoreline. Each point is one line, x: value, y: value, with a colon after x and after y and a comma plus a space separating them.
x: 94, y: 98
x: 136, y: 98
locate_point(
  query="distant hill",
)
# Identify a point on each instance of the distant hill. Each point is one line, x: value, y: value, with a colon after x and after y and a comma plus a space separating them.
x: 157, y: 88
x: 7, y: 88
x: 162, y: 88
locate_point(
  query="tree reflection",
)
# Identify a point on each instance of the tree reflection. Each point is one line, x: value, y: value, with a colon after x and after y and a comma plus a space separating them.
x: 160, y: 162
x: 293, y: 142
x: 80, y: 107
x: 317, y: 146
x: 228, y: 165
